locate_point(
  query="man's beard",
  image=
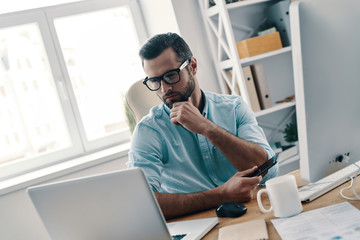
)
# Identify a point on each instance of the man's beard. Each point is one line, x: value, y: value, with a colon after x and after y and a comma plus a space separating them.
x: 184, y: 95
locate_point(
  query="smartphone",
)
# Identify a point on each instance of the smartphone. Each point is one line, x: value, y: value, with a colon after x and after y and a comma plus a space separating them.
x: 264, y: 167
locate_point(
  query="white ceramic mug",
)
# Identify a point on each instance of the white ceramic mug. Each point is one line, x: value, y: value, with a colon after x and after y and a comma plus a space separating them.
x: 283, y: 195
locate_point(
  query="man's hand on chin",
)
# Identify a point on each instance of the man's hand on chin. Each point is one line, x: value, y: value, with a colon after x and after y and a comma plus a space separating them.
x: 187, y: 115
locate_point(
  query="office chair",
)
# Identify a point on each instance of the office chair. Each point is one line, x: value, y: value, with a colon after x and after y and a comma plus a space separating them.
x: 138, y: 101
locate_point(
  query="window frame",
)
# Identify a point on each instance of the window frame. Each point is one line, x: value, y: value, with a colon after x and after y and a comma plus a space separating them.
x: 45, y: 17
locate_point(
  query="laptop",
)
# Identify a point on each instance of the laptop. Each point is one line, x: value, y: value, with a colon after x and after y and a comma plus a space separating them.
x: 114, y: 205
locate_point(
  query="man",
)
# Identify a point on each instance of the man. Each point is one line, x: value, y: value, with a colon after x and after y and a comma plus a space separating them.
x: 197, y: 147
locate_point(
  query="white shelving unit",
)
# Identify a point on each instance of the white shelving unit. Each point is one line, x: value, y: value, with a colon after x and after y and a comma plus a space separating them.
x: 227, y: 24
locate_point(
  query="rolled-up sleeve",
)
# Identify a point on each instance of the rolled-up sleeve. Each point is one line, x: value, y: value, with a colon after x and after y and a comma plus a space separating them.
x: 249, y: 130
x: 146, y: 153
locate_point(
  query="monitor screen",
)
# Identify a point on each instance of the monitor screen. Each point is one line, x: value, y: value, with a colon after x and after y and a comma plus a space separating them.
x: 326, y: 57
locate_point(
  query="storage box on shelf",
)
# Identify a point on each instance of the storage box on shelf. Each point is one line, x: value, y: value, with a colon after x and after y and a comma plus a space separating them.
x: 258, y: 45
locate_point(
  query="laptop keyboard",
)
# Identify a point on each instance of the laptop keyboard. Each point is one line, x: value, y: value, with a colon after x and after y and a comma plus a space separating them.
x: 178, y: 237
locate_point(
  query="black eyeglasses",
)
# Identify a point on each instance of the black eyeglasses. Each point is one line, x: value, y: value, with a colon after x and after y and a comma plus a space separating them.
x: 170, y: 77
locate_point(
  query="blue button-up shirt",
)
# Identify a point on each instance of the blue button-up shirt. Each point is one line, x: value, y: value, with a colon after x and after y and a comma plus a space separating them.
x: 176, y: 160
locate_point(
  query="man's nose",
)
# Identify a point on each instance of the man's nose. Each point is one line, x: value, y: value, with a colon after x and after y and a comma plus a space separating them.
x: 165, y: 87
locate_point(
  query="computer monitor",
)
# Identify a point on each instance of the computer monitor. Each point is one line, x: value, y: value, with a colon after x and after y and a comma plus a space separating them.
x: 326, y: 58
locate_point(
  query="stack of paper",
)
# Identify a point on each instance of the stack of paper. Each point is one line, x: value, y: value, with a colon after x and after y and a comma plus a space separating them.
x: 339, y: 221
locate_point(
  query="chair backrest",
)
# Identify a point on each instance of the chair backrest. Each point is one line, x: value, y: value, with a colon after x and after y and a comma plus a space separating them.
x: 139, y: 100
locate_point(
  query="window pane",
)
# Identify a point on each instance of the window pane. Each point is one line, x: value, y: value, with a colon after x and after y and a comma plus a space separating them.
x: 101, y: 54
x: 19, y: 5
x: 31, y: 117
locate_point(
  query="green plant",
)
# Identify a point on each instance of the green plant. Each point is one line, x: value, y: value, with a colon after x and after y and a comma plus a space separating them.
x: 130, y: 118
x: 290, y: 132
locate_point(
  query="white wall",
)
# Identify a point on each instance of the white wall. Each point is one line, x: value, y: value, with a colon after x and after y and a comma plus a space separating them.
x: 159, y: 16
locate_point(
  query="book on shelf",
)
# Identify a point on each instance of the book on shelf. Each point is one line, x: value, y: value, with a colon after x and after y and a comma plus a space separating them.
x: 267, y: 31
x: 250, y: 85
x: 261, y: 85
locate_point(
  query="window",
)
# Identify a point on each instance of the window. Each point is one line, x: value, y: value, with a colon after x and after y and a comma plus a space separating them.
x: 63, y: 73
x: 20, y: 5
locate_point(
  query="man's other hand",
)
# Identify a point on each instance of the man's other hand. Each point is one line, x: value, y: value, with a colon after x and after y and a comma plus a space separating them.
x: 240, y: 188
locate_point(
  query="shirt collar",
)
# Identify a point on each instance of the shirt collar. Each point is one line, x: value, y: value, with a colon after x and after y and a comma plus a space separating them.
x: 206, y: 105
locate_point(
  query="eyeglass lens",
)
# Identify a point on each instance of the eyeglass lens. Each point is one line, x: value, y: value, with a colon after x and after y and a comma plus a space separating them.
x: 170, y: 78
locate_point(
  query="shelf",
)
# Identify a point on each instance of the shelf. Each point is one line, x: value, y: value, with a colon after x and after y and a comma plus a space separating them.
x: 226, y: 64
x: 214, y: 10
x: 252, y: 59
x: 275, y: 108
x: 245, y: 3
x: 247, y: 61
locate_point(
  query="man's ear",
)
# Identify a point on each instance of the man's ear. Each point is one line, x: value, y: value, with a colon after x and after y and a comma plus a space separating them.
x: 193, y: 65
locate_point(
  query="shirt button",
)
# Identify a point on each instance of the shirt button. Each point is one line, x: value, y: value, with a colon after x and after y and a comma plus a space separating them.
x: 206, y: 157
x: 215, y: 179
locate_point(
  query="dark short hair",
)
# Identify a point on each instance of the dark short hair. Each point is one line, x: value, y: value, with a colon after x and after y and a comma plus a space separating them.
x: 154, y: 46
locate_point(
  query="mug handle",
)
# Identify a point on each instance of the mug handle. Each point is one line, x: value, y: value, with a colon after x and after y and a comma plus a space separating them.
x: 260, y: 203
